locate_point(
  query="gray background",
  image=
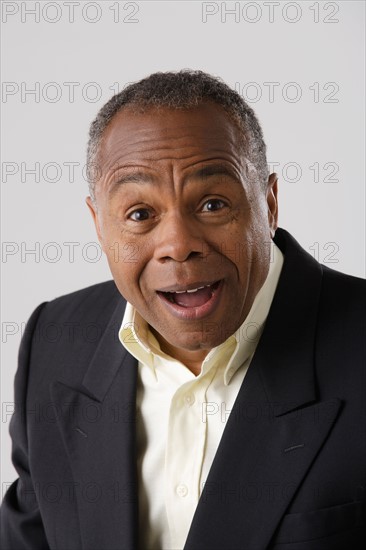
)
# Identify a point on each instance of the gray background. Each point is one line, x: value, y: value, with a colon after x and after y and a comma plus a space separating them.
x: 299, y: 64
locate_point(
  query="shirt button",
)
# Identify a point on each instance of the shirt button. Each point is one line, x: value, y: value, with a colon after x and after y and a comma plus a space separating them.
x: 189, y: 400
x: 182, y: 490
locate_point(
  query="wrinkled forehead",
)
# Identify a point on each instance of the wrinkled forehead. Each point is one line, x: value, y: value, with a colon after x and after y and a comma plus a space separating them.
x: 134, y: 132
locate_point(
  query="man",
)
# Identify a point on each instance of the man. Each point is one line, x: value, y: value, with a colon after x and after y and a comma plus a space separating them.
x: 220, y: 403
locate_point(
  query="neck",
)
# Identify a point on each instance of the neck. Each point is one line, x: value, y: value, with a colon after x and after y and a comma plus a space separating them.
x: 191, y: 359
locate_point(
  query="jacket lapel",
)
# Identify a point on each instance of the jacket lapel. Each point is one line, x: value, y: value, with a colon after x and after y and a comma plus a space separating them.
x: 276, y: 427
x: 99, y: 436
x: 261, y: 461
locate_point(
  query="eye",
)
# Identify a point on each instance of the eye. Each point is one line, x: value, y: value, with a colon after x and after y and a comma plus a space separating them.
x: 212, y: 205
x: 139, y: 215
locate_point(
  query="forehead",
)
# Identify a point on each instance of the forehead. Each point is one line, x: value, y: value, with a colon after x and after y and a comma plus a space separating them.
x: 206, y: 128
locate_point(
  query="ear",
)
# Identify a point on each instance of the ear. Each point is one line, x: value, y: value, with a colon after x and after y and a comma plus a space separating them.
x: 94, y: 212
x: 272, y: 203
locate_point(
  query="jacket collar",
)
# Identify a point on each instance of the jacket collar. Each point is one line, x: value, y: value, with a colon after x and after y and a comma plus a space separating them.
x: 286, y: 350
x: 108, y: 357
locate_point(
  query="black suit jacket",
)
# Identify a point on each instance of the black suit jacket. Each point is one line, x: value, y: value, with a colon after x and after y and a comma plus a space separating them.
x: 289, y: 473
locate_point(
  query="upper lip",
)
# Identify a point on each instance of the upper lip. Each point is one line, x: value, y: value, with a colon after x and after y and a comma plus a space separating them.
x: 184, y: 288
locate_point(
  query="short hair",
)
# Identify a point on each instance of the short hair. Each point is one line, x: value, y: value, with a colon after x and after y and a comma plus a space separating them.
x: 183, y: 89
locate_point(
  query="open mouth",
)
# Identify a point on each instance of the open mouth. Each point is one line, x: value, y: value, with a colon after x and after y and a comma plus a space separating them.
x: 191, y: 298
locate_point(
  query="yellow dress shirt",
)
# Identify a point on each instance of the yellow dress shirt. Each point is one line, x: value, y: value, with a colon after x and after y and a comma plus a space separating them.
x: 181, y: 417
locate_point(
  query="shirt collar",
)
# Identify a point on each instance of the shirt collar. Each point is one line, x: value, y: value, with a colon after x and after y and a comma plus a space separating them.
x: 236, y: 350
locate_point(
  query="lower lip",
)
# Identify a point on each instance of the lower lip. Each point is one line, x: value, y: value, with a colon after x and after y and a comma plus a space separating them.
x: 200, y: 312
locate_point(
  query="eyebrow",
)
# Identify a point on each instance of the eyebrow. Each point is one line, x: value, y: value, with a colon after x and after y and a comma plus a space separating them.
x: 212, y: 170
x: 141, y: 177
x: 138, y: 176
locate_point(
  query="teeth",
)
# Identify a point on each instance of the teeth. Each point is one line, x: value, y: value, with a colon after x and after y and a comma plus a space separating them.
x: 190, y: 291
x: 195, y: 289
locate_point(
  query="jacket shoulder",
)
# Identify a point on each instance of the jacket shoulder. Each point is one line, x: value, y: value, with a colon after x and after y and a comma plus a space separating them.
x: 342, y: 291
x: 337, y: 277
x: 104, y: 290
x: 87, y: 302
x: 341, y: 324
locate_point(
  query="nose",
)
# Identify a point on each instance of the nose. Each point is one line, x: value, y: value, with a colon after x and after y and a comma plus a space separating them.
x: 177, y: 238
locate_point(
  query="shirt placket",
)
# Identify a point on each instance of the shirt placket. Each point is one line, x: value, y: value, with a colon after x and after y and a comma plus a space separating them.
x: 184, y: 456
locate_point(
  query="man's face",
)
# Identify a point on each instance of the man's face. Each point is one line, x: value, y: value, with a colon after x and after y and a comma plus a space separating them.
x: 176, y: 212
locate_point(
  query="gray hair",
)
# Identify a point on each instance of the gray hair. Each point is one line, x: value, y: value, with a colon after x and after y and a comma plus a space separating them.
x: 182, y: 90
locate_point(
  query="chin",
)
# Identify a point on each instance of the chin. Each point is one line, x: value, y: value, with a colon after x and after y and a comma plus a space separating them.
x: 196, y: 341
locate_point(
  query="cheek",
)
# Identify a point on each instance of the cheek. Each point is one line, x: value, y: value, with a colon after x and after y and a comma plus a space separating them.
x: 116, y: 246
x: 247, y: 246
x: 238, y: 242
x: 125, y: 275
x: 128, y: 260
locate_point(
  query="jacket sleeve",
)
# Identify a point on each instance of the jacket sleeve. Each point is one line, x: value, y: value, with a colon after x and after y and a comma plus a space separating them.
x: 21, y: 521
